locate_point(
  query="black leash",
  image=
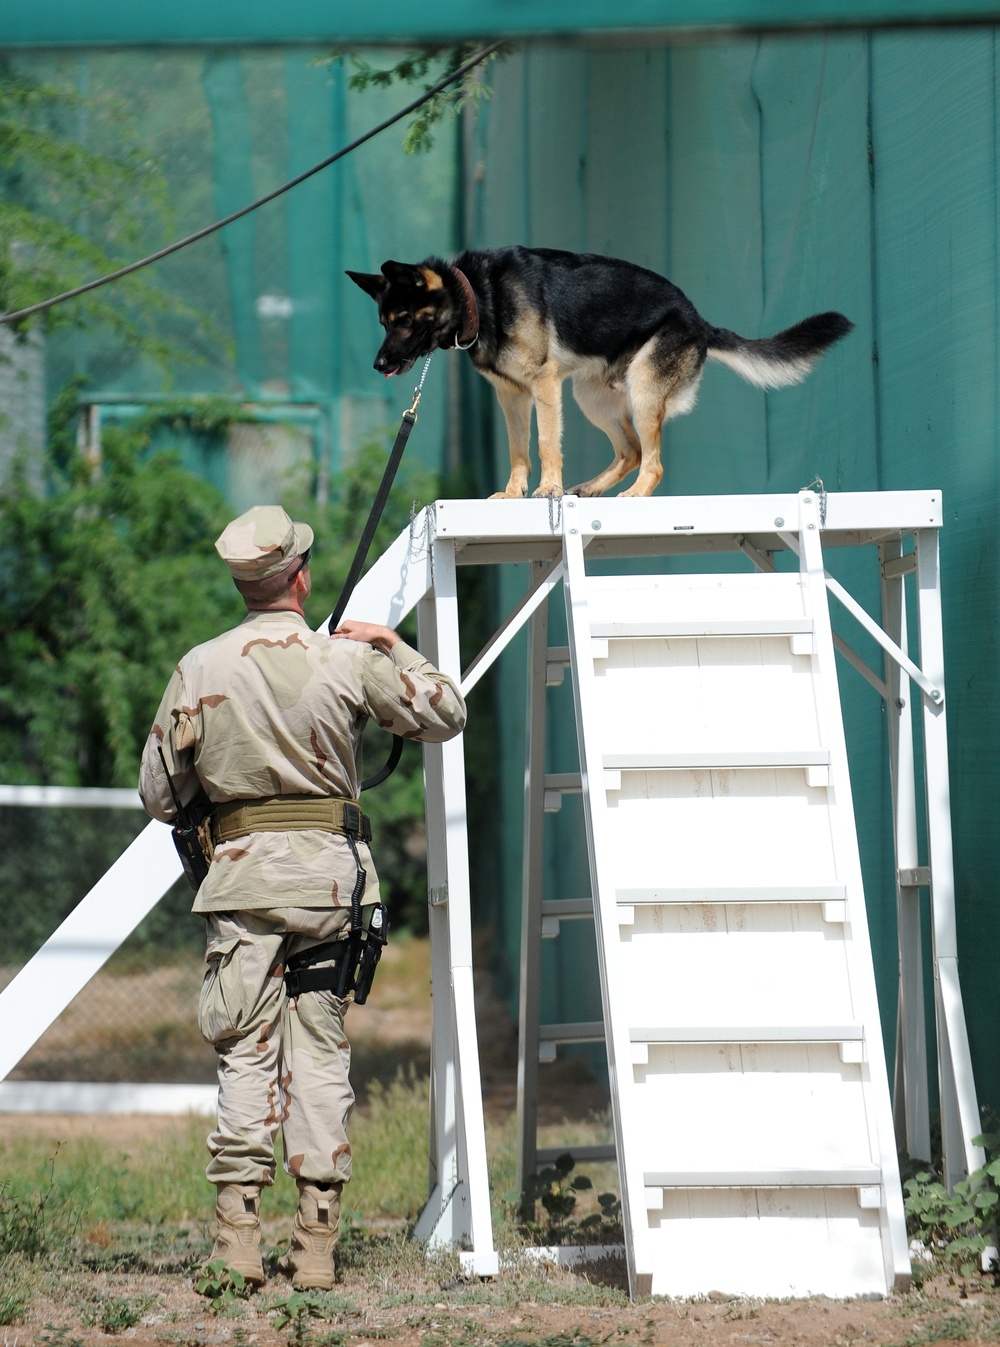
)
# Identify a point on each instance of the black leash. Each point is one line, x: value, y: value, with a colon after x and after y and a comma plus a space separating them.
x: 368, y: 533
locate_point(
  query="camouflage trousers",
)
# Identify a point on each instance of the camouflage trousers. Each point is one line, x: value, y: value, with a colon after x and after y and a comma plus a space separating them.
x: 283, y: 1062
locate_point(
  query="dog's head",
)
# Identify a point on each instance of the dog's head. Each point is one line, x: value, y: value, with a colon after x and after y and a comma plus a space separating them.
x: 416, y: 307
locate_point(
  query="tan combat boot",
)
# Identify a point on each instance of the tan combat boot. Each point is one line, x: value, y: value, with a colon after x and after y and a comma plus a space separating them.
x: 309, y: 1262
x: 237, y: 1211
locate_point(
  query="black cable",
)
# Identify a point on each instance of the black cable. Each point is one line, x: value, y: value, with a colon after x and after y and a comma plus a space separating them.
x: 262, y: 201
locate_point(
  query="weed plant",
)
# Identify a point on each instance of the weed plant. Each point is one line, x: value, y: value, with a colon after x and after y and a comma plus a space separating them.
x: 13, y: 1307
x: 958, y: 1226
x: 115, y: 1314
x: 220, y: 1285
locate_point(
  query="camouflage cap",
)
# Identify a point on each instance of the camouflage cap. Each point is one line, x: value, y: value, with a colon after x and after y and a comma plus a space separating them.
x: 262, y: 542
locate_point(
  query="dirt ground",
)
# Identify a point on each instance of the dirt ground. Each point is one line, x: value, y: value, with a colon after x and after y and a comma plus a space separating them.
x: 415, y: 1307
x: 387, y: 1290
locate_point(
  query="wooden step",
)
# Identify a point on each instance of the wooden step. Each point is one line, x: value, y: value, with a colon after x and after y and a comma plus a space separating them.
x: 854, y: 1176
x: 659, y: 627
x: 747, y: 1033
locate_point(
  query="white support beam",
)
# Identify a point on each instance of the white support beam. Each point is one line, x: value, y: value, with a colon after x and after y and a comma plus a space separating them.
x: 82, y: 944
x: 69, y: 797
x: 959, y: 1109
x: 911, y: 1103
x: 541, y: 588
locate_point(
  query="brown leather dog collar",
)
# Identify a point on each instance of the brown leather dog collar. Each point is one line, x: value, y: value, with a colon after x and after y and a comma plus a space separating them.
x: 470, y: 331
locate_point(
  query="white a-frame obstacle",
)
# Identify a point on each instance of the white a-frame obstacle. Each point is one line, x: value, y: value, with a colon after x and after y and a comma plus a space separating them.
x: 754, y: 1135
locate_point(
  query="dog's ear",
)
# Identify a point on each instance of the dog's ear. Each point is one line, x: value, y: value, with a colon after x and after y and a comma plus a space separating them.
x: 405, y: 273
x: 371, y: 285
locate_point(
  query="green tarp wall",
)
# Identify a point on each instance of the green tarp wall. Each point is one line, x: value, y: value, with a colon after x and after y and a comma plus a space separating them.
x: 69, y: 23
x: 770, y: 178
x: 262, y: 312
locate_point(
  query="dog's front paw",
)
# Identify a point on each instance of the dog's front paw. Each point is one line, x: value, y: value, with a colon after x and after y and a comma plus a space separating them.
x: 584, y: 489
x: 509, y: 494
x: 552, y: 492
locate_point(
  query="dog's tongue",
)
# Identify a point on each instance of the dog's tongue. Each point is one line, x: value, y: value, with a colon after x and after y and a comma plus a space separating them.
x: 390, y: 372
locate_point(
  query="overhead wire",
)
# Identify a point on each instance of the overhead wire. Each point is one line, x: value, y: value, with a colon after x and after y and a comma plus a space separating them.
x: 435, y: 89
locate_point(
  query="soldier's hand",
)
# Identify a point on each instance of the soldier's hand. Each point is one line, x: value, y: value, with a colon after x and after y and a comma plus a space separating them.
x: 383, y: 638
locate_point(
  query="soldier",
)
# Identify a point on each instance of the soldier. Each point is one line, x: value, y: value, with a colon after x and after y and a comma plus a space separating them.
x: 265, y: 721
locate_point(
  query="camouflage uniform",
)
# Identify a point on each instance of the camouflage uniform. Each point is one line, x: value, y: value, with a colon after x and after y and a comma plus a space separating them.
x: 273, y: 708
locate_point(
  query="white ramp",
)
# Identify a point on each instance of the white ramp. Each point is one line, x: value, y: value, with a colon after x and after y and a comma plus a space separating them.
x: 751, y: 1105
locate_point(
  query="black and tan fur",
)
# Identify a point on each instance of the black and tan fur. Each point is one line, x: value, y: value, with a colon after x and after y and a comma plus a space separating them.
x: 632, y: 343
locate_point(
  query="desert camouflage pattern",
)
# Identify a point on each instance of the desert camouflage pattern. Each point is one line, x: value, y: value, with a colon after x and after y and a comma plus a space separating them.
x: 262, y: 542
x: 283, y: 1061
x: 275, y: 708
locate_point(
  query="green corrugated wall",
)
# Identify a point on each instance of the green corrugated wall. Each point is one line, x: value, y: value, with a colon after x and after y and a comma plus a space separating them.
x: 769, y: 178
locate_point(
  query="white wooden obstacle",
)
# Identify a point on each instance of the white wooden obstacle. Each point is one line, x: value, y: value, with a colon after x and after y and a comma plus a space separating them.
x: 736, y: 971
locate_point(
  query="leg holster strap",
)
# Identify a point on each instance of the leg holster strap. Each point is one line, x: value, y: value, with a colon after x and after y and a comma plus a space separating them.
x: 302, y: 976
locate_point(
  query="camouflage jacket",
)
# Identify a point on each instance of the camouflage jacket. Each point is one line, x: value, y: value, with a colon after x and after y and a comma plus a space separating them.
x: 275, y: 708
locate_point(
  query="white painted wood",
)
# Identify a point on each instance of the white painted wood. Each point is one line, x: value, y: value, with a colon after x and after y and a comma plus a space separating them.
x: 892, y: 1223
x: 542, y: 587
x: 743, y: 1037
x: 603, y: 847
x: 704, y: 893
x: 911, y: 1102
x: 73, y: 1096
x: 534, y: 922
x: 82, y: 944
x: 458, y: 1211
x: 851, y: 517
x: 959, y: 1110
x: 740, y: 1239
x: 70, y: 797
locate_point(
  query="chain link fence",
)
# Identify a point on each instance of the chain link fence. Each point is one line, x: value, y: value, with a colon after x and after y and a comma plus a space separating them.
x: 136, y: 1019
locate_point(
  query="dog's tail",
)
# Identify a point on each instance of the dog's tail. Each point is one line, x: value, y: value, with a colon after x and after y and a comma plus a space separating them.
x: 774, y: 362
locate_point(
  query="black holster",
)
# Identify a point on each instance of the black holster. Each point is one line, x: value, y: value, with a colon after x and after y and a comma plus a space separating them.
x: 349, y: 964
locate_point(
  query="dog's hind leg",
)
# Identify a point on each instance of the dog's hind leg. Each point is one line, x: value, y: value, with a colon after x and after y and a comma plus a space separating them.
x: 515, y: 403
x: 662, y: 382
x: 605, y: 407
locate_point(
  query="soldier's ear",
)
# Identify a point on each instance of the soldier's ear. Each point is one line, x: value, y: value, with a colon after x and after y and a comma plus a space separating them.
x: 371, y: 285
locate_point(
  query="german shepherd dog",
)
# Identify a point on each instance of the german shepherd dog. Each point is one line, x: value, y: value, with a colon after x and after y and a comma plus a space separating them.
x: 632, y: 343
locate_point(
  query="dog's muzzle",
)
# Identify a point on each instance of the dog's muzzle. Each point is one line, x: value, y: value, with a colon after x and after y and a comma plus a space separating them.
x: 393, y: 364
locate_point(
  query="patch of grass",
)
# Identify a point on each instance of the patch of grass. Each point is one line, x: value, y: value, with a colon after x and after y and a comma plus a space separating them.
x: 23, y: 1224
x: 388, y: 1139
x: 13, y: 1307
x: 114, y: 1314
x: 158, y: 1178
x: 32, y: 1218
x: 574, y: 1338
x: 59, y: 1337
x: 949, y: 1328
x: 297, y: 1312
